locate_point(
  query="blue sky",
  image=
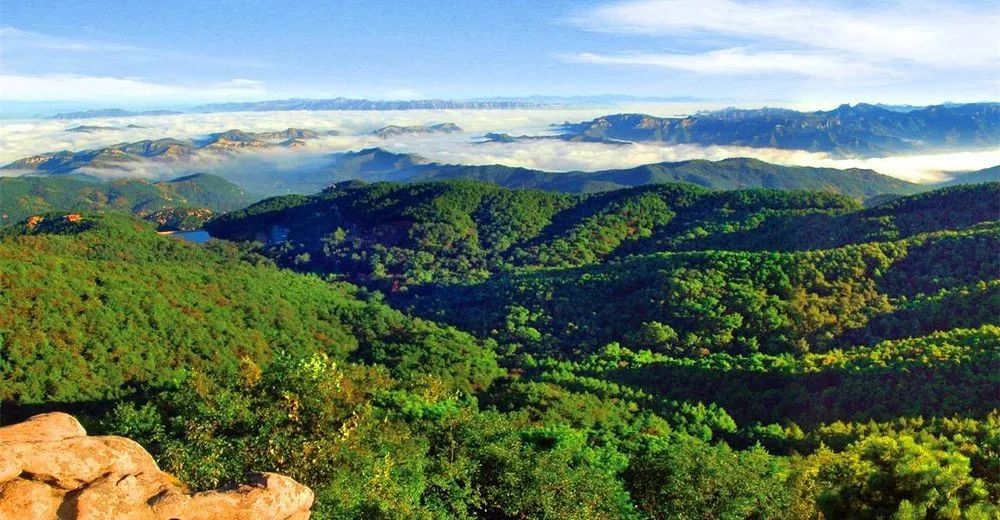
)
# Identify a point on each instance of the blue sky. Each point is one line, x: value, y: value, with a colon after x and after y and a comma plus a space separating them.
x: 128, y: 53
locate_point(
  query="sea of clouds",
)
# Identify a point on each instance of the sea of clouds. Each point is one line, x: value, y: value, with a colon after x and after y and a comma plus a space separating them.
x: 26, y: 137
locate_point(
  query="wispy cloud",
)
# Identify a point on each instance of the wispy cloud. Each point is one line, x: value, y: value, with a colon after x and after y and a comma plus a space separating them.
x: 740, y: 60
x: 17, y: 39
x: 75, y: 87
x: 44, y: 67
x: 807, y: 38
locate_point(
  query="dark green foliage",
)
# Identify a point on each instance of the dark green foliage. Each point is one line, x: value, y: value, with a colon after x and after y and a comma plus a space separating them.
x: 759, y: 220
x: 463, y: 230
x: 727, y: 174
x: 415, y: 233
x: 372, y: 450
x: 182, y: 203
x: 740, y: 302
x: 950, y: 372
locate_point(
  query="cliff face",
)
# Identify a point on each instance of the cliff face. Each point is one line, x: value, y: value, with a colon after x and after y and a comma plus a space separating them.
x: 51, y: 469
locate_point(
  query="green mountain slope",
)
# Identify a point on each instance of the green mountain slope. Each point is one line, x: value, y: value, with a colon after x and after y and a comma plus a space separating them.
x: 138, y: 309
x: 376, y: 164
x: 182, y: 203
x: 718, y: 223
x: 991, y: 174
x: 700, y: 302
x: 409, y: 233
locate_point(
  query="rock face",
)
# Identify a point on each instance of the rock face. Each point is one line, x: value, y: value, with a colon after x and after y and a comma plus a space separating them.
x: 51, y: 469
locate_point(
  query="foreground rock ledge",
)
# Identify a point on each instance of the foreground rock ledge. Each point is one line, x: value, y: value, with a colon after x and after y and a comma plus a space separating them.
x: 51, y: 469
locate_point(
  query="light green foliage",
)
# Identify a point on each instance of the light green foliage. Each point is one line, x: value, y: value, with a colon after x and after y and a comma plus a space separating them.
x: 700, y: 481
x: 897, y: 477
x: 107, y: 305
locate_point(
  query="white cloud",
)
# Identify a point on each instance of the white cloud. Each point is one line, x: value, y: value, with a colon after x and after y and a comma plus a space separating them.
x: 739, y: 60
x: 25, y: 137
x: 75, y: 87
x: 569, y: 156
x: 42, y: 67
x: 903, y: 34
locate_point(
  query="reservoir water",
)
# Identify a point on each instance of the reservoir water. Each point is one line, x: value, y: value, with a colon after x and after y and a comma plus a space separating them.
x: 197, y: 236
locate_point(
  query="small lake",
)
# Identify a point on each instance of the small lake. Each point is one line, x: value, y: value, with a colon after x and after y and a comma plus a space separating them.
x: 197, y: 236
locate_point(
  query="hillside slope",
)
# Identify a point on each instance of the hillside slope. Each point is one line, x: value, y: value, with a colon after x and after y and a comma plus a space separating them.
x: 467, y: 230
x: 182, y: 203
x: 727, y: 174
x: 191, y: 308
x: 991, y: 174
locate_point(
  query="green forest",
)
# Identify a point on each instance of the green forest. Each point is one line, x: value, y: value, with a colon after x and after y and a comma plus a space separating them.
x: 179, y: 204
x: 456, y: 349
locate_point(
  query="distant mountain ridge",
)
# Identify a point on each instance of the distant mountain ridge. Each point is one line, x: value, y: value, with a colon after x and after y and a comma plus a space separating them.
x: 598, y: 99
x: 378, y: 164
x: 859, y: 130
x: 991, y: 174
x: 727, y: 174
x: 113, y: 112
x: 120, y: 156
x: 341, y: 103
x: 93, y: 129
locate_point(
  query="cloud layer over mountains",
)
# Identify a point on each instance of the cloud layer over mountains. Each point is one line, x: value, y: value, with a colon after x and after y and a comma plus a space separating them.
x: 23, y: 138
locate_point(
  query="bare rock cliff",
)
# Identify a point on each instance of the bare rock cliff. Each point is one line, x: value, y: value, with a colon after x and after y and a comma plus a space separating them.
x: 51, y: 469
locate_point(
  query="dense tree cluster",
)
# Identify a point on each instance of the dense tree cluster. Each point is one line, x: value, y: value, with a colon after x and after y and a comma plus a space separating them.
x: 97, y: 307
x: 465, y: 230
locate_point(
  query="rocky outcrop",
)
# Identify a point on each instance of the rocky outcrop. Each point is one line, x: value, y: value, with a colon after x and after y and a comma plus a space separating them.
x: 51, y: 469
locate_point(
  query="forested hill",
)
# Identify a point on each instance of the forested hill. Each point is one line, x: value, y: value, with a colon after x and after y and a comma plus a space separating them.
x: 99, y: 307
x: 799, y: 320
x: 441, y: 231
x: 991, y: 174
x: 182, y: 203
x: 727, y: 174
x: 376, y: 164
x: 575, y: 380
